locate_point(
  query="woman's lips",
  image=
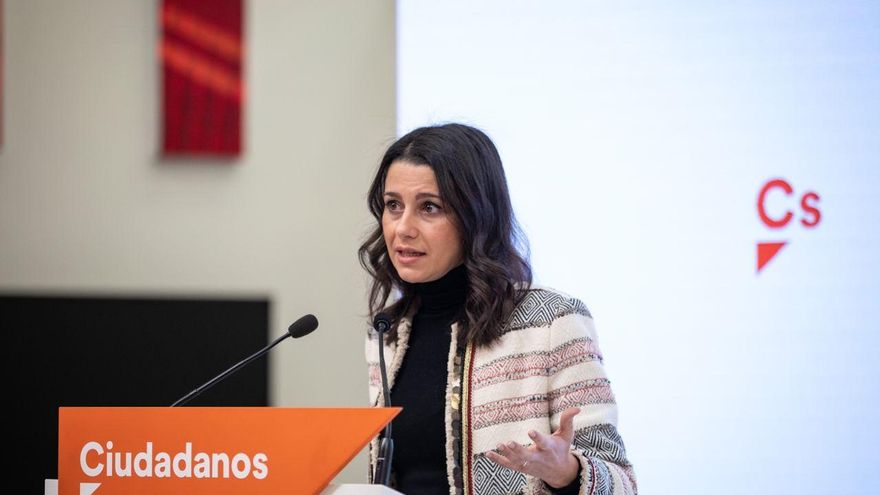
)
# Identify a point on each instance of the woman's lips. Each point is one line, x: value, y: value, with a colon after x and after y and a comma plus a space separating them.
x: 407, y: 256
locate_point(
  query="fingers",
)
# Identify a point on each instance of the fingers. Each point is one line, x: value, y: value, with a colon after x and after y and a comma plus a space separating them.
x: 501, y: 460
x: 542, y: 442
x: 498, y: 459
x: 548, y: 457
x: 566, y: 423
x: 514, y: 450
x: 511, y: 455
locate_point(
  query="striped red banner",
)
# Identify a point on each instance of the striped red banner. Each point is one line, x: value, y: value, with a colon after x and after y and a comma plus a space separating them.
x: 202, y: 55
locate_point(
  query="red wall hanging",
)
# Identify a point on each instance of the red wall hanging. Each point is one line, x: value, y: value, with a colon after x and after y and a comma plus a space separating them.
x: 202, y: 55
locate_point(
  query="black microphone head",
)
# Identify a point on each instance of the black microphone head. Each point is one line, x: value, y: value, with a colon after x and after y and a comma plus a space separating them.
x: 382, y: 322
x: 303, y: 326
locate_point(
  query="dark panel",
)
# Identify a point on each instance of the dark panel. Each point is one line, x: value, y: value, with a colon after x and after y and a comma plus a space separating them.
x: 92, y: 351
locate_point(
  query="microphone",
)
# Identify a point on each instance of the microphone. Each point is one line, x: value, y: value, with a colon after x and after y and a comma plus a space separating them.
x: 300, y: 328
x: 382, y: 476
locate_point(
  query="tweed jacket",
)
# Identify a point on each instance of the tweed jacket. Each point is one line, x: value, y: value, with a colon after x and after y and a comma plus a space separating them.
x: 546, y: 361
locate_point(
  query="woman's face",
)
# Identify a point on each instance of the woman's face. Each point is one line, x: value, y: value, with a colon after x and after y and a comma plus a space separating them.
x: 422, y: 239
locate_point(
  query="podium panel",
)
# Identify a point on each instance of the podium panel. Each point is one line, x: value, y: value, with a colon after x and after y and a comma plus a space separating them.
x: 199, y: 450
x: 51, y: 488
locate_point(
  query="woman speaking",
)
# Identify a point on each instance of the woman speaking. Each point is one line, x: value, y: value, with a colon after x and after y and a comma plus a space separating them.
x: 501, y: 381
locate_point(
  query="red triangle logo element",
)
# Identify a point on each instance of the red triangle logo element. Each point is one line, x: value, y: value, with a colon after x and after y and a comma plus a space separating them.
x: 766, y: 252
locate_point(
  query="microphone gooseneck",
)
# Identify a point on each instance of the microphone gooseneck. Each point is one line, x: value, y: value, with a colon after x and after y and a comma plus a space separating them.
x: 382, y: 322
x: 382, y: 476
x: 301, y: 327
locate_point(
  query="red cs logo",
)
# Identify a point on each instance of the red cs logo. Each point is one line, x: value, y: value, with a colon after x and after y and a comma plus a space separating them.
x: 809, y: 218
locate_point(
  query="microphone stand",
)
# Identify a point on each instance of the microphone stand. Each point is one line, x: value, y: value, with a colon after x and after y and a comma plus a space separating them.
x: 382, y: 476
x: 301, y: 327
x: 195, y: 393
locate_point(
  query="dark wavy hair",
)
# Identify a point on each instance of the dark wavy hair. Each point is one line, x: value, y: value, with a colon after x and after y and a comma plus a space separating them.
x: 474, y: 190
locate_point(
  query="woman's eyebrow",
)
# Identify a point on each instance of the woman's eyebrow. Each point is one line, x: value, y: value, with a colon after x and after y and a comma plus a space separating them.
x: 421, y: 195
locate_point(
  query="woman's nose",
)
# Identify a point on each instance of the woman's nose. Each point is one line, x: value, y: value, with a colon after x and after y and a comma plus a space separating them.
x: 406, y: 226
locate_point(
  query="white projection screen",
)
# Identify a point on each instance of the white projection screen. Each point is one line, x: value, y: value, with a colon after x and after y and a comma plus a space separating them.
x: 705, y: 176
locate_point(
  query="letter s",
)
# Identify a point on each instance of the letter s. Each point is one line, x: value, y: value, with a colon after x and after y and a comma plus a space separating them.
x: 774, y: 224
x: 261, y: 468
x: 83, y: 455
x: 811, y: 209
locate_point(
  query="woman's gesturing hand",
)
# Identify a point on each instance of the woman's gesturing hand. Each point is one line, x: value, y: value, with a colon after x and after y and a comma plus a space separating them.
x: 548, y: 458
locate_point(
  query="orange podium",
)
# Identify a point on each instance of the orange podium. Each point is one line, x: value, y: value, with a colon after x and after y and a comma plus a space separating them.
x: 209, y: 450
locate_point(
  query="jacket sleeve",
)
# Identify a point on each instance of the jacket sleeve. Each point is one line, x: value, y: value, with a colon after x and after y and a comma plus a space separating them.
x: 578, y: 379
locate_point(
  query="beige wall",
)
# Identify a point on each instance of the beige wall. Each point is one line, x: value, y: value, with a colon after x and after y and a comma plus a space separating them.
x: 87, y: 206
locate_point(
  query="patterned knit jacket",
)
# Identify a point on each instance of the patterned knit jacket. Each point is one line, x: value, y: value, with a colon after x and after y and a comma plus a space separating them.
x: 546, y: 361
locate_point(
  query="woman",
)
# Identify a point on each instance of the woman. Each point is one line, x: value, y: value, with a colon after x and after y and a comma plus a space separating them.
x: 501, y: 382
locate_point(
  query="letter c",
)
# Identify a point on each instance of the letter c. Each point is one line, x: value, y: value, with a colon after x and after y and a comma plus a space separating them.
x: 83, y: 455
x: 775, y: 183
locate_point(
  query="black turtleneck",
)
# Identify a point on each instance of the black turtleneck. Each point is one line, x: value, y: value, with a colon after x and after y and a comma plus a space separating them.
x: 419, y: 461
x: 420, y: 387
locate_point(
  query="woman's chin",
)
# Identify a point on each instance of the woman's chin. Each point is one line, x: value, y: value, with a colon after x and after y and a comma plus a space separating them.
x: 412, y: 276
